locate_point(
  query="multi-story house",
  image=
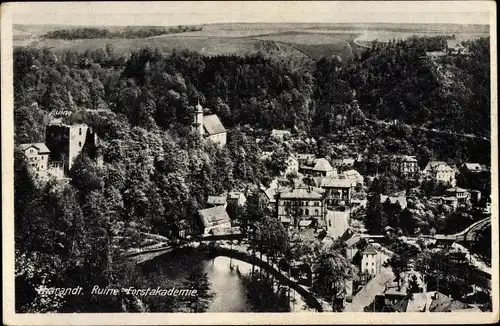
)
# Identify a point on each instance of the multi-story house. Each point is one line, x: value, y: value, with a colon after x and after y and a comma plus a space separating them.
x: 299, y: 202
x: 462, y: 195
x: 336, y: 190
x: 440, y: 172
x: 37, y: 156
x: 404, y: 165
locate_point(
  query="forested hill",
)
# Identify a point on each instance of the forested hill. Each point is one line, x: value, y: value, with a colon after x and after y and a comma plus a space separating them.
x: 391, y: 80
x: 156, y: 174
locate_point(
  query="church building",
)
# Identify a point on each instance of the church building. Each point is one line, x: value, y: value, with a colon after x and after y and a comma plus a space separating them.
x: 209, y: 126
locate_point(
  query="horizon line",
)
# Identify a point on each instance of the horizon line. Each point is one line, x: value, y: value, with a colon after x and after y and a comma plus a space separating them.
x: 263, y: 22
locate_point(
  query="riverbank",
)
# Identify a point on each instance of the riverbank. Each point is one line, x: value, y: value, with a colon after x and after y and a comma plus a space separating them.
x: 305, y: 298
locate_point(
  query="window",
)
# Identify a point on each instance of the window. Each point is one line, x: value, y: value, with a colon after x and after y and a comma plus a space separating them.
x: 301, y: 211
x: 373, y: 264
x: 330, y: 224
x: 80, y: 131
x: 80, y: 144
x: 316, y: 212
x: 307, y: 211
x: 31, y: 151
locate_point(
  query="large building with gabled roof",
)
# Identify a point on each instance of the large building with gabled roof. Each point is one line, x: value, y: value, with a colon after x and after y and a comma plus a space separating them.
x: 215, y: 220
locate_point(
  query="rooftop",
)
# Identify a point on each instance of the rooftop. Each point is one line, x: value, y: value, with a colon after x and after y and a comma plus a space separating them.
x: 321, y: 164
x: 433, y: 164
x: 455, y: 189
x: 41, y: 147
x: 216, y: 200
x: 405, y: 158
x: 214, y: 216
x: 370, y: 250
x: 329, y: 182
x: 401, y: 199
x: 212, y: 125
x: 300, y: 193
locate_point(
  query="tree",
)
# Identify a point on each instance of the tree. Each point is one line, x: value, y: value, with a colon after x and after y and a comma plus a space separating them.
x: 413, y: 286
x: 331, y: 272
x: 197, y: 280
x: 272, y: 237
x: 376, y: 218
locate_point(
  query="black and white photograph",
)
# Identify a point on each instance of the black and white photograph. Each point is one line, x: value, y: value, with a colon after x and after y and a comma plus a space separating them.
x: 308, y: 158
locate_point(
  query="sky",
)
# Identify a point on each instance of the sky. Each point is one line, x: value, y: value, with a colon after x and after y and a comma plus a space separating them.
x: 206, y: 12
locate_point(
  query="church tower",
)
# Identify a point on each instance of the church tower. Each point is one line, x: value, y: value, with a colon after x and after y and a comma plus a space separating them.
x: 198, y: 119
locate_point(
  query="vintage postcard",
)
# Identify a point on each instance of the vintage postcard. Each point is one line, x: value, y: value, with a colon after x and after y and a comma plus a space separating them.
x: 249, y: 162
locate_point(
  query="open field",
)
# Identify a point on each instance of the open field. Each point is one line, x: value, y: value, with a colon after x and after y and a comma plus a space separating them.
x: 313, y: 40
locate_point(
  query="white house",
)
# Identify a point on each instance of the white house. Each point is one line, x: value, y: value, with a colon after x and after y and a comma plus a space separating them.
x: 374, y: 257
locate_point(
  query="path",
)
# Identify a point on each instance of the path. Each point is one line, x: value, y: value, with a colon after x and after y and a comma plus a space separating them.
x: 427, y: 129
x: 366, y: 296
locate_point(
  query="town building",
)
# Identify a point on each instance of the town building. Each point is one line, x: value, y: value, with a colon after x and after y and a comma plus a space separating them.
x: 335, y: 222
x: 280, y: 134
x: 462, y: 195
x: 440, y: 172
x: 473, y: 168
x: 323, y: 168
x: 444, y: 200
x: 336, y: 190
x: 217, y: 201
x: 354, y: 177
x: 209, y: 126
x: 292, y: 165
x: 298, y: 203
x: 404, y: 165
x: 215, y: 220
x: 371, y: 262
x: 236, y: 198
x: 306, y: 159
x: 37, y: 156
x: 374, y: 256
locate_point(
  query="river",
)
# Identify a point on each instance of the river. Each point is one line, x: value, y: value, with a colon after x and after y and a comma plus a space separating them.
x: 227, y: 285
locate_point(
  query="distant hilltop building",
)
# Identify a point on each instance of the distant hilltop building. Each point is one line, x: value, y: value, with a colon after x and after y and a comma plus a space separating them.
x: 209, y: 126
x: 454, y: 46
